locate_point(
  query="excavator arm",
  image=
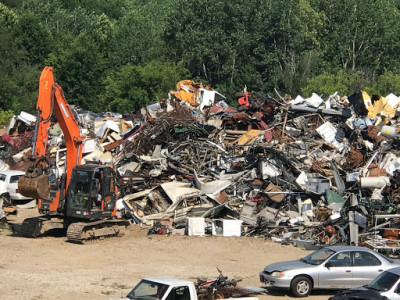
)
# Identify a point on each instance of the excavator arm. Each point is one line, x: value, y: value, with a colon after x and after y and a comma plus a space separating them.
x: 44, y: 109
x: 35, y: 183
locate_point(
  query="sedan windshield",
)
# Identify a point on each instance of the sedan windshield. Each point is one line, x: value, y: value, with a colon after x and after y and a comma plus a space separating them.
x: 384, y: 281
x: 318, y: 257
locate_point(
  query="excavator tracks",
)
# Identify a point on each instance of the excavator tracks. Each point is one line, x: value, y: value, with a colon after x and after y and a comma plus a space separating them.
x: 37, y: 226
x: 82, y: 232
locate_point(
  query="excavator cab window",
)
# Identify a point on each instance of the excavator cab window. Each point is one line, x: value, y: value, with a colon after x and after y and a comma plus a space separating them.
x: 91, y: 192
x: 52, y: 177
x: 97, y: 190
x: 79, y: 190
x: 109, y: 193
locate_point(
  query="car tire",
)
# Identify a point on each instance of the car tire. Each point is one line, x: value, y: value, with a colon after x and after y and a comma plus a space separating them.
x: 301, y: 286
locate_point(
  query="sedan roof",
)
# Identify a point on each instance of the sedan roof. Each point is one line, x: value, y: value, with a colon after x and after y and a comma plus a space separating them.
x: 394, y: 271
x: 12, y: 172
x: 349, y: 248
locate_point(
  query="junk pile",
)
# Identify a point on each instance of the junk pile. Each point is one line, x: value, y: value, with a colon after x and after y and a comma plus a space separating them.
x: 308, y: 171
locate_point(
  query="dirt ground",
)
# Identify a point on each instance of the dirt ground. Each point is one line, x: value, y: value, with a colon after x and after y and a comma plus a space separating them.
x: 51, y: 268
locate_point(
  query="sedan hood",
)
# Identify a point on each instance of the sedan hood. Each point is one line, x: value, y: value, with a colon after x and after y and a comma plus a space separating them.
x: 358, y: 293
x: 287, y: 265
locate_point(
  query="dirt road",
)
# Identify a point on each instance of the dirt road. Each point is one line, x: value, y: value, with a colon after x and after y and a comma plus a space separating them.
x: 50, y: 268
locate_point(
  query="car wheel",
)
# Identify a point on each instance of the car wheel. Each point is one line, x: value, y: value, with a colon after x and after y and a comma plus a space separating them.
x: 301, y: 286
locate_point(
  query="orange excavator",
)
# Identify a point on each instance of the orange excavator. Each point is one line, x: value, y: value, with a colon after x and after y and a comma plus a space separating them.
x: 83, y: 199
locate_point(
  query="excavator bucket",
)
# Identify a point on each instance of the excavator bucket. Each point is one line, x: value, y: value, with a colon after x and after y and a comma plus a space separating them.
x: 36, y: 188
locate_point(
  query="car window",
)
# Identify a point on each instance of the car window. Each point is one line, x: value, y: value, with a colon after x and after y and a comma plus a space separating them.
x: 384, y: 257
x: 318, y: 257
x: 2, y: 177
x: 384, y: 281
x: 342, y: 259
x: 14, y: 179
x: 179, y: 293
x: 397, y: 289
x: 363, y: 258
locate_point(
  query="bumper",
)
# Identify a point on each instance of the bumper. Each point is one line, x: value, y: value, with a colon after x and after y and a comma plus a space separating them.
x: 274, y: 281
x: 18, y: 196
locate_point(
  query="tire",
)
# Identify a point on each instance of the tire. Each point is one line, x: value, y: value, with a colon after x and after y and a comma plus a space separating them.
x: 301, y: 286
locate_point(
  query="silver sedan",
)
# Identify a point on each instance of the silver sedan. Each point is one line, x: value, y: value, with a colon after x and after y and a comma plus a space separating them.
x: 334, y: 267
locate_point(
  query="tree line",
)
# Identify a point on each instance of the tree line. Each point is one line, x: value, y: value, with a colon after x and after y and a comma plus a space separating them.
x: 122, y: 54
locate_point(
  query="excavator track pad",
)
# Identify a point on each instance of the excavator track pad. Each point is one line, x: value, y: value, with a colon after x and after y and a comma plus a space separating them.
x: 82, y: 232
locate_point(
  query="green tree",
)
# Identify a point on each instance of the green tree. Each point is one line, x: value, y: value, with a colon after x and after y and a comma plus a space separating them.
x: 138, y: 37
x: 78, y: 66
x: 74, y: 19
x: 10, y: 53
x: 112, y: 9
x: 8, y: 17
x: 33, y: 37
x: 298, y: 41
x: 342, y: 82
x: 256, y: 43
x: 5, y: 116
x: 222, y: 42
x: 360, y: 35
x: 19, y: 89
x: 292, y: 45
x: 132, y: 87
x: 388, y: 82
x: 15, y: 75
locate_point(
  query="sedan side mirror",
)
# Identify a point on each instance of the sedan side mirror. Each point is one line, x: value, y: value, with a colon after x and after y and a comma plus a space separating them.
x: 328, y: 264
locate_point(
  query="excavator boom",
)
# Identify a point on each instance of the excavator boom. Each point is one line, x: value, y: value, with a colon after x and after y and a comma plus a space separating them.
x: 44, y: 109
x: 35, y: 183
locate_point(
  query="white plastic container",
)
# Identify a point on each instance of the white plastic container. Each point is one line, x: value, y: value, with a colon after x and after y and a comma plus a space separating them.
x: 222, y: 227
x: 375, y: 182
x: 390, y: 130
x: 195, y: 226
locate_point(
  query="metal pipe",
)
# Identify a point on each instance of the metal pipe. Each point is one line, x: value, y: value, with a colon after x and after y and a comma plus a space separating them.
x: 36, y: 131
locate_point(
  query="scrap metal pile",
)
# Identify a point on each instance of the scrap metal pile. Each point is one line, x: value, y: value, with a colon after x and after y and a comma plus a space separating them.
x: 309, y: 171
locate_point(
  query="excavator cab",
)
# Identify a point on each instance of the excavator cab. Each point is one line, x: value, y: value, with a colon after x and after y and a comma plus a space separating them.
x: 91, y: 192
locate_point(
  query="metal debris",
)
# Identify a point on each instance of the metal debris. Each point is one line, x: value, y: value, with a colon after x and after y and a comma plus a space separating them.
x: 307, y: 171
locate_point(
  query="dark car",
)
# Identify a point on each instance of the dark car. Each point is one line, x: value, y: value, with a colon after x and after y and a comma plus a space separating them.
x: 384, y: 287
